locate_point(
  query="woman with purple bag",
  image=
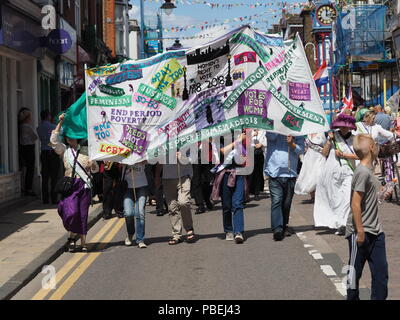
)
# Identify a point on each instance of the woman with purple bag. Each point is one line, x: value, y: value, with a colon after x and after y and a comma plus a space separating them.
x: 74, y: 206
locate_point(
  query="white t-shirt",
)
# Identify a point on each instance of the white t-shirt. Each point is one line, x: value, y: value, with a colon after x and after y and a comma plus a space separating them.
x: 139, y: 174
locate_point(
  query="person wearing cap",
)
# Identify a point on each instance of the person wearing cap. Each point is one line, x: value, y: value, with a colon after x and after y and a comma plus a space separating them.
x: 360, y: 113
x: 332, y: 198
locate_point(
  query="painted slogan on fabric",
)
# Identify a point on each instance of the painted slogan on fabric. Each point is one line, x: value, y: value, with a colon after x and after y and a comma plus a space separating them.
x: 138, y: 110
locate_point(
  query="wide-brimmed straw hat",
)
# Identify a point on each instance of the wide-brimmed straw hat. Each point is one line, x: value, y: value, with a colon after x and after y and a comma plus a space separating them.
x: 344, y: 120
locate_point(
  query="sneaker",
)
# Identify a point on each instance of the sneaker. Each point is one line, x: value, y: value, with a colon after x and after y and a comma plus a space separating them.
x: 128, y: 241
x: 279, y: 235
x: 229, y: 236
x: 200, y: 210
x: 142, y: 245
x: 209, y: 205
x: 288, y: 232
x: 239, y: 238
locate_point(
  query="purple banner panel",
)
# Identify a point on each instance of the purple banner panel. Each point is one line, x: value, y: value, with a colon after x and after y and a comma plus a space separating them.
x: 254, y: 102
x: 299, y: 91
x: 134, y: 139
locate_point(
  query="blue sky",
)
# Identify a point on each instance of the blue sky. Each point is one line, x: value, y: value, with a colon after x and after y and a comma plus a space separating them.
x: 198, y: 14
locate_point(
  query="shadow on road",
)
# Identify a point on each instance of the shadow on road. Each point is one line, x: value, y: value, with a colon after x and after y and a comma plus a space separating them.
x: 248, y: 234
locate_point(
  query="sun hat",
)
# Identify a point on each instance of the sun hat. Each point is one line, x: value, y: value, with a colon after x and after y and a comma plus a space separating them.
x: 344, y: 120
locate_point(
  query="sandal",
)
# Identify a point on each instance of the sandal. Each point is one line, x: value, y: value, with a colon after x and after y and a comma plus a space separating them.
x: 190, y: 237
x: 174, y: 241
x: 71, y: 244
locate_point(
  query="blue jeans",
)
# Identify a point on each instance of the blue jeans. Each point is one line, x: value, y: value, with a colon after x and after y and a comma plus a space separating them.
x: 135, y: 211
x: 282, y: 191
x: 232, y: 204
x: 372, y: 250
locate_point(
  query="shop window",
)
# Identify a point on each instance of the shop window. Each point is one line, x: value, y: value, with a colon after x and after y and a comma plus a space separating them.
x: 10, y: 111
x: 3, y: 143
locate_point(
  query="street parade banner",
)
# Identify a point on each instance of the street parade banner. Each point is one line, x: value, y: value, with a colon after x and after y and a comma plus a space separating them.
x: 138, y: 110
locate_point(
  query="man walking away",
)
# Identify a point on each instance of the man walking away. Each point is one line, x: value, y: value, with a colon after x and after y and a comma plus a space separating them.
x: 50, y: 162
x: 281, y: 166
x: 364, y: 230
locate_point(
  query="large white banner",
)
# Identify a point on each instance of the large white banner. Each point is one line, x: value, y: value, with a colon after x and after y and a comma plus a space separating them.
x: 138, y: 110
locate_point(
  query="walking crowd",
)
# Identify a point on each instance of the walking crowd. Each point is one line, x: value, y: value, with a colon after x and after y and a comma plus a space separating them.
x: 338, y: 169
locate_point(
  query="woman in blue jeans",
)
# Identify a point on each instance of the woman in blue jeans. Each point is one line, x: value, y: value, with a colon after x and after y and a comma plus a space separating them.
x: 135, y: 202
x: 230, y: 186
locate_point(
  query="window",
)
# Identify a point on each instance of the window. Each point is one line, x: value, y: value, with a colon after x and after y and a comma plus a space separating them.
x: 3, y: 127
x: 78, y: 17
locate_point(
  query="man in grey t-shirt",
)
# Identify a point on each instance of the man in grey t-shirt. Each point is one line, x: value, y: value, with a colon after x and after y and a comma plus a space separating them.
x: 364, y: 230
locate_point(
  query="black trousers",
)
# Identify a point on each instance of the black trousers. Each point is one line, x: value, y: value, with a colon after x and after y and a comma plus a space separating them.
x: 257, y: 177
x: 111, y: 199
x: 50, y: 163
x: 28, y: 161
x: 201, y: 189
x: 372, y: 250
x: 161, y: 204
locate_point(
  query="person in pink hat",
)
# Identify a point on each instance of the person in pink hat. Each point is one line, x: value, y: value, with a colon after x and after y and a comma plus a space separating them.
x: 332, y: 198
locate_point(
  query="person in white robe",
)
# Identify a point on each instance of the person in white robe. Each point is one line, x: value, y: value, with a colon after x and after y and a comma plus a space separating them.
x: 332, y: 198
x: 313, y: 165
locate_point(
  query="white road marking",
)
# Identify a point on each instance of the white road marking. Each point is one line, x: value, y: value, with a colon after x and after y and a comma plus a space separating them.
x: 328, y: 270
x: 308, y: 246
x: 317, y: 256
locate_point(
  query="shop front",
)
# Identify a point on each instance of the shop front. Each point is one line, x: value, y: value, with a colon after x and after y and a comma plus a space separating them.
x: 19, y: 54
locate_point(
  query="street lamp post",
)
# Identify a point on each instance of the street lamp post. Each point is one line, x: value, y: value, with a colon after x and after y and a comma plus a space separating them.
x: 167, y: 6
x: 142, y: 53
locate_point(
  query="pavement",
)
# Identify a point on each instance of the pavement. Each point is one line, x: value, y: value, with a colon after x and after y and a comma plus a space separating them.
x: 306, y: 266
x: 31, y: 235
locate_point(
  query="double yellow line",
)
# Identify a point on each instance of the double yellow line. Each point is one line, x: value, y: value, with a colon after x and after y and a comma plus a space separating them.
x: 86, y: 260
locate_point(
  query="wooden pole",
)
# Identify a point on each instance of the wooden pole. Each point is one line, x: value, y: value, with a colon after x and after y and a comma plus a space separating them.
x: 133, y: 183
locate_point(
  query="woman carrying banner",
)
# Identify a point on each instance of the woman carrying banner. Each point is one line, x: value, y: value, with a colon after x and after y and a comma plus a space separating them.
x: 332, y: 198
x: 313, y: 165
x: 230, y: 186
x: 74, y: 208
x: 135, y: 202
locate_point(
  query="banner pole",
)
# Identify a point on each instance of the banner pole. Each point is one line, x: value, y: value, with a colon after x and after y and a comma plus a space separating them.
x: 133, y: 184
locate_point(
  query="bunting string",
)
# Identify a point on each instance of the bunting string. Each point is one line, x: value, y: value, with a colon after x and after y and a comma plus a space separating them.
x: 255, y: 5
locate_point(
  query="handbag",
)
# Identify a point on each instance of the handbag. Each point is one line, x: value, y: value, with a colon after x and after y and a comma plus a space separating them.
x: 65, y: 185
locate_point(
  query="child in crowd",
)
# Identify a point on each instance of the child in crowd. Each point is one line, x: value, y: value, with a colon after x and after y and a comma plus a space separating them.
x: 364, y: 230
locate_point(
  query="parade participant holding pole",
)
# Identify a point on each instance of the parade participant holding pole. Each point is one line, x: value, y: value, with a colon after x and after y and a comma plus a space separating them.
x: 281, y: 162
x: 230, y: 186
x: 332, y: 198
x: 74, y: 206
x: 135, y: 202
x: 176, y: 181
